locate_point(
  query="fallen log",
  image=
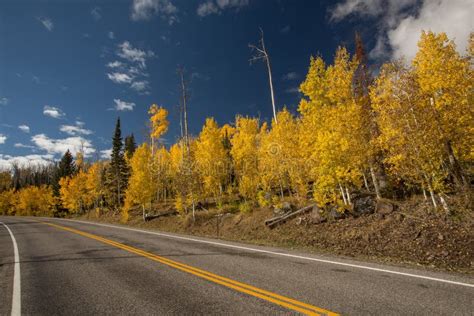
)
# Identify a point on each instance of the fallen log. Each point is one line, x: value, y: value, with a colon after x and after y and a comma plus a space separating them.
x: 149, y: 217
x: 272, y: 222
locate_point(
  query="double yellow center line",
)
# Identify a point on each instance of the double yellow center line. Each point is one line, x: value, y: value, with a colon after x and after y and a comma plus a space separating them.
x: 238, y: 286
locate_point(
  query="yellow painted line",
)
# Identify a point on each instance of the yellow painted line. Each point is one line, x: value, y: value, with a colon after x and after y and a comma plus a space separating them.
x: 238, y: 286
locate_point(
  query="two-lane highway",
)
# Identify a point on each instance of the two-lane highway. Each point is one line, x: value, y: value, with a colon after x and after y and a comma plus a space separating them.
x: 77, y: 268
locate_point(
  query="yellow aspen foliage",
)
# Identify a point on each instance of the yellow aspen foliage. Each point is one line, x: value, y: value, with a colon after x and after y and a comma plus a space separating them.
x: 412, y: 147
x: 74, y: 194
x: 158, y: 120
x: 281, y: 163
x: 8, y: 201
x: 186, y: 178
x: 79, y: 161
x: 211, y: 159
x: 35, y: 201
x: 331, y: 138
x: 445, y: 80
x: 95, y: 182
x: 141, y: 187
x: 161, y: 171
x: 245, y: 155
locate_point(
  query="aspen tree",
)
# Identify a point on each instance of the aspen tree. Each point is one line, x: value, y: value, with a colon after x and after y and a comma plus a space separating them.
x: 245, y: 155
x: 212, y: 159
x: 141, y: 185
x: 445, y: 81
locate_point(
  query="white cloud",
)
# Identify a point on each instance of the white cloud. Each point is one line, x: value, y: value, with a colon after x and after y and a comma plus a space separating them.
x: 95, y: 12
x: 454, y: 17
x: 207, y: 8
x: 47, y: 23
x: 145, y: 9
x: 75, y: 129
x: 115, y: 64
x: 105, y: 154
x: 111, y: 35
x: 24, y: 128
x: 20, y: 145
x: 53, y: 112
x: 3, y: 101
x: 3, y: 138
x: 290, y: 76
x: 217, y: 6
x: 140, y: 86
x: 119, y: 77
x: 123, y: 106
x: 7, y: 161
x: 132, y: 69
x: 60, y: 146
x: 128, y: 52
x: 400, y: 22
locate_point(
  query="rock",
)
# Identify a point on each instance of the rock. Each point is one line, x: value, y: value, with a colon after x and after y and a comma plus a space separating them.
x: 335, y: 214
x: 316, y: 217
x: 384, y: 207
x: 363, y: 204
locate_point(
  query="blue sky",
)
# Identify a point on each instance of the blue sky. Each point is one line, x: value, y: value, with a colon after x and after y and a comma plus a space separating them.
x: 70, y: 68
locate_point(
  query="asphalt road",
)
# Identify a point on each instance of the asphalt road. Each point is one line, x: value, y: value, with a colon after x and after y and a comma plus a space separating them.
x: 77, y: 268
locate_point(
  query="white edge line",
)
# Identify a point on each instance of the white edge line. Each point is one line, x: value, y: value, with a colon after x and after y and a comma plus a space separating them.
x: 16, y: 297
x: 276, y: 253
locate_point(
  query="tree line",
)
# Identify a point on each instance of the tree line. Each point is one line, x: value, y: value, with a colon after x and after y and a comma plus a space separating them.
x: 408, y: 129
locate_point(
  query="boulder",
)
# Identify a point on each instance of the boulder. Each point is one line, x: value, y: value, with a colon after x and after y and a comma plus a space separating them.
x: 363, y: 204
x: 384, y: 207
x: 316, y: 216
x: 335, y: 214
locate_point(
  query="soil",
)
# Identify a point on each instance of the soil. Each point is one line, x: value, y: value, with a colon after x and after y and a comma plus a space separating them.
x: 414, y: 234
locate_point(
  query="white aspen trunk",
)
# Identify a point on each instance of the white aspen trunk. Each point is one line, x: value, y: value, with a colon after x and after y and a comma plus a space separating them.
x: 376, y: 185
x: 143, y: 211
x: 366, y: 184
x: 424, y: 194
x: 271, y: 85
x: 444, y: 204
x: 348, y: 196
x: 343, y: 195
x: 433, y: 197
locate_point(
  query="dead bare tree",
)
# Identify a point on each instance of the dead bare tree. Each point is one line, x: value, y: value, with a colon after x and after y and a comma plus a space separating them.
x: 184, y: 98
x: 262, y: 54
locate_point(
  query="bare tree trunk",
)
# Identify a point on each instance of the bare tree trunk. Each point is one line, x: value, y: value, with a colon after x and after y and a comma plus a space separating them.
x: 348, y: 197
x: 143, y: 212
x: 184, y: 105
x: 444, y: 204
x: 263, y: 54
x: 433, y: 197
x: 374, y: 181
x: 343, y: 195
x: 366, y: 184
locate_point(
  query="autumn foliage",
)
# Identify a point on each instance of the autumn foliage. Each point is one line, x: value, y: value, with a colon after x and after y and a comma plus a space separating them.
x: 409, y: 129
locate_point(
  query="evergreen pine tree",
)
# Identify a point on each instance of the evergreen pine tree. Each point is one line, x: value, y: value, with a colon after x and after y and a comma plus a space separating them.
x: 130, y: 146
x: 118, y: 171
x: 65, y: 168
